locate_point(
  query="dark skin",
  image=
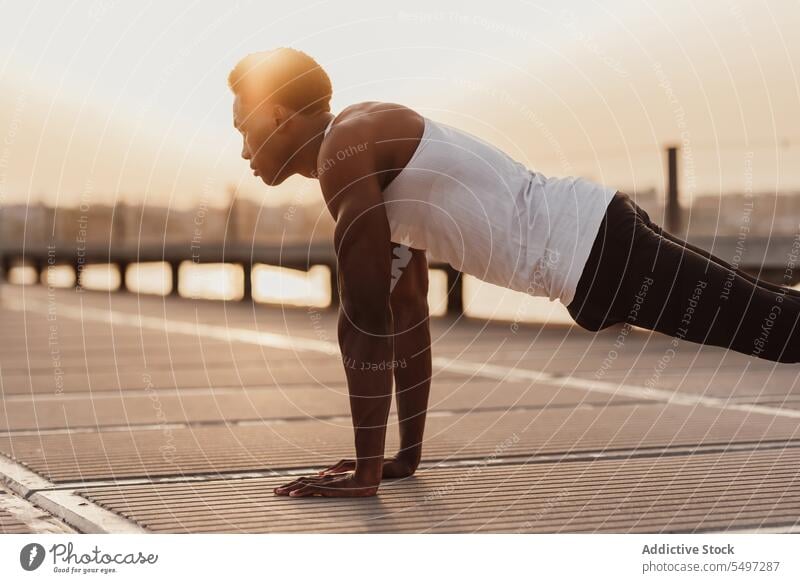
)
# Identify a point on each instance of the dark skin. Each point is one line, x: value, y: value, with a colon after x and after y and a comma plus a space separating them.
x: 379, y: 327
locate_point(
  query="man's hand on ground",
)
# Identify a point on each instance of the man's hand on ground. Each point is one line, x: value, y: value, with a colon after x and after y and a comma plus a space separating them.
x: 393, y: 468
x: 335, y: 485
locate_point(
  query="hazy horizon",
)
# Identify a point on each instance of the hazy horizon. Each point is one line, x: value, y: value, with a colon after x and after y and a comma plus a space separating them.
x: 122, y: 102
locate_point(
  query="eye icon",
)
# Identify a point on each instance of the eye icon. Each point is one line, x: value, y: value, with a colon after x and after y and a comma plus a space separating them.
x: 31, y: 556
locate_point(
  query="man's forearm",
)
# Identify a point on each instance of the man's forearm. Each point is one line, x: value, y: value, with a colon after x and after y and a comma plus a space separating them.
x: 412, y: 387
x: 367, y: 359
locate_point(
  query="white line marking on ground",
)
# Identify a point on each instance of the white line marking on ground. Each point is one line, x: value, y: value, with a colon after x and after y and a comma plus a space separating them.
x: 19, y: 478
x: 676, y: 398
x: 83, y: 514
x: 488, y: 371
x: 114, y: 394
x: 75, y: 510
x: 38, y: 521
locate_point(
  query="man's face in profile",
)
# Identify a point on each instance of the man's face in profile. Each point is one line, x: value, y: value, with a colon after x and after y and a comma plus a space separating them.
x: 261, y: 145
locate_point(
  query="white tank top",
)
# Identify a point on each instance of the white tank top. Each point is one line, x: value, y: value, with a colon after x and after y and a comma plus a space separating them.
x: 471, y: 205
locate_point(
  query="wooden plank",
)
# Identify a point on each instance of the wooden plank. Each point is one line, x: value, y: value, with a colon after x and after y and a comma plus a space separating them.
x: 287, y: 402
x: 9, y: 524
x: 500, y: 455
x: 693, y: 493
x: 184, y: 451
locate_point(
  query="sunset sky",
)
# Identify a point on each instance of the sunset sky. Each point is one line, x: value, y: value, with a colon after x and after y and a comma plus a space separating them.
x: 115, y: 100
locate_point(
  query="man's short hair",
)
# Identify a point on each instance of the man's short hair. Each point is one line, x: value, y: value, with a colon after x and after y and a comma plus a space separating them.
x: 284, y: 75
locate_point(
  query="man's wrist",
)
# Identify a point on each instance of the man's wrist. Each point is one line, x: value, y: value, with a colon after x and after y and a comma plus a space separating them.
x: 409, y: 456
x: 368, y: 473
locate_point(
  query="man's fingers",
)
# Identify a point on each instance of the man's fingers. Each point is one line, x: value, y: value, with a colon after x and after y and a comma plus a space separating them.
x: 332, y: 488
x: 287, y: 485
x: 325, y: 486
x: 307, y: 490
x: 294, y: 484
x: 334, y: 484
x: 300, y: 482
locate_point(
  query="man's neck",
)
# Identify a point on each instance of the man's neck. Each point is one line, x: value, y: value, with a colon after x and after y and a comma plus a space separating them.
x: 308, y: 152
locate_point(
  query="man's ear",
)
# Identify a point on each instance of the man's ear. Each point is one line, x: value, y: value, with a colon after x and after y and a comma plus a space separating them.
x: 281, y: 116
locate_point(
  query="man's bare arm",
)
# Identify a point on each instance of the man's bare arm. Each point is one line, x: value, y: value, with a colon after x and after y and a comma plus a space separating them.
x: 412, y: 366
x: 365, y: 324
x: 365, y: 330
x: 412, y: 349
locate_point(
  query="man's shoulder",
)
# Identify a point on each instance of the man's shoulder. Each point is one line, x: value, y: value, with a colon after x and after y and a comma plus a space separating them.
x: 360, y: 139
x: 371, y: 119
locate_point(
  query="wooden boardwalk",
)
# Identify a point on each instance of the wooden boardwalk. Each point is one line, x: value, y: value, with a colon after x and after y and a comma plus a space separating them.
x: 128, y: 413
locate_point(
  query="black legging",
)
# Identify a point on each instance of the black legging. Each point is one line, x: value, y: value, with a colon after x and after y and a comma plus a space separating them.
x: 639, y: 273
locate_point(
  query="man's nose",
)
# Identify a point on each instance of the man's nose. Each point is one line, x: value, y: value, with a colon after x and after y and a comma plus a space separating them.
x: 245, y: 151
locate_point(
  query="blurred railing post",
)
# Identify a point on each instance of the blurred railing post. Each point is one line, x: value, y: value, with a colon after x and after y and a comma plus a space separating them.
x: 673, y: 208
x: 455, y: 292
x: 247, y: 283
x: 123, y: 275
x: 174, y: 268
x: 41, y: 274
x: 77, y: 267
